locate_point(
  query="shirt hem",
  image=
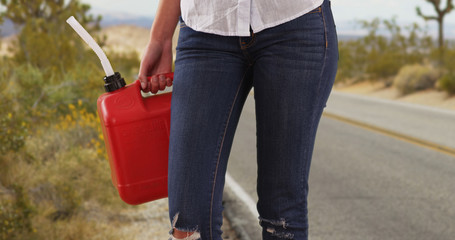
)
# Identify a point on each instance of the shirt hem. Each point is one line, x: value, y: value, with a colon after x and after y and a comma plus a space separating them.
x: 216, y: 32
x: 288, y: 19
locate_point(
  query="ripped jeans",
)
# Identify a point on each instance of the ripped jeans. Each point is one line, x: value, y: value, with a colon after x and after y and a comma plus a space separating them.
x: 292, y: 68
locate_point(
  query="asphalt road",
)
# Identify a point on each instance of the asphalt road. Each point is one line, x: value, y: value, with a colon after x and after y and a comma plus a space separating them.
x: 363, y: 185
x: 421, y: 122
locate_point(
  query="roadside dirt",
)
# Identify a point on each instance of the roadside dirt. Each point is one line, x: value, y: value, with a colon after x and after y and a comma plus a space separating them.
x: 431, y: 97
x: 149, y: 221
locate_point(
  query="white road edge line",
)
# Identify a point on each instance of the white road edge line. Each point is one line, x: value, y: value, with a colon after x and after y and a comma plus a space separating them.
x: 243, y: 196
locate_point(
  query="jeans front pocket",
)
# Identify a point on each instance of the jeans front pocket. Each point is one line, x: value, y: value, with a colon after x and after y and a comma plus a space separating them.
x: 182, y: 23
x: 316, y: 10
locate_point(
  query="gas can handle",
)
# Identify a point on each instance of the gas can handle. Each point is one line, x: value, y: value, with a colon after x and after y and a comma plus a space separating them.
x: 138, y: 83
x: 167, y: 75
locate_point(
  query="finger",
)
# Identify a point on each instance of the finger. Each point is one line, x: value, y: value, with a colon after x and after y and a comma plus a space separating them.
x: 168, y: 82
x: 143, y: 81
x: 147, y: 88
x: 162, y: 82
x: 146, y: 85
x: 154, y: 84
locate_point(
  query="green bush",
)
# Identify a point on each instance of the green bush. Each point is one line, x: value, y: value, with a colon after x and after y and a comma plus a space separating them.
x: 447, y: 83
x: 412, y: 78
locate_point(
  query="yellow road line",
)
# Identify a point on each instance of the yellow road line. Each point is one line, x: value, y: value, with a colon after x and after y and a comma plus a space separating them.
x: 430, y: 145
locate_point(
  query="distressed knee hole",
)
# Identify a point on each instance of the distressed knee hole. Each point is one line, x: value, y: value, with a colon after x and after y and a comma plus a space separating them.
x: 193, y: 236
x: 284, y: 235
x: 276, y: 228
x: 183, y: 234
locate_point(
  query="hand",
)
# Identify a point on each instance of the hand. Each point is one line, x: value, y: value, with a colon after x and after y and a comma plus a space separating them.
x: 157, y: 60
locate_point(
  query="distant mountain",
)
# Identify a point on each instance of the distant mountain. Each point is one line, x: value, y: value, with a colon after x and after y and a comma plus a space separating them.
x: 351, y: 29
x: 348, y: 37
x: 346, y: 29
x: 125, y: 19
x: 8, y: 29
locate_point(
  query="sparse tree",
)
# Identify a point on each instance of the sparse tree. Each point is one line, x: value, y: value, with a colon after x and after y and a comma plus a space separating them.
x: 45, y: 40
x: 439, y: 17
x: 21, y: 11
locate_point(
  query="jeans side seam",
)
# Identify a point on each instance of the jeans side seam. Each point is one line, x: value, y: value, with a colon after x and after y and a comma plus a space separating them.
x: 325, y: 51
x: 315, y: 114
x: 219, y: 153
x: 325, y: 32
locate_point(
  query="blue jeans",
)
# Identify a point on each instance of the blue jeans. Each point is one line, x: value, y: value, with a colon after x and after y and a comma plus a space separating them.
x: 292, y: 68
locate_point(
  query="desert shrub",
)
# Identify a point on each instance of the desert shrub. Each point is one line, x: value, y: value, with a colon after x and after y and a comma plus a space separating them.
x: 352, y: 55
x: 126, y: 63
x: 53, y: 166
x: 412, y: 78
x: 380, y: 54
x: 60, y: 168
x: 44, y: 40
x: 447, y: 83
x: 70, y: 155
x: 15, y: 215
x: 25, y: 88
x: 12, y: 132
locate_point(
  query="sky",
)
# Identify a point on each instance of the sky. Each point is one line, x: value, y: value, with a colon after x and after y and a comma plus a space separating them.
x: 346, y: 12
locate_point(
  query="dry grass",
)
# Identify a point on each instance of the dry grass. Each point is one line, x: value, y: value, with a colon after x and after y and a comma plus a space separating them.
x: 68, y: 190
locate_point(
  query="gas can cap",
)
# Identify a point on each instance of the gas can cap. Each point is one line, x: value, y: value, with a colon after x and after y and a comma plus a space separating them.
x: 114, y: 82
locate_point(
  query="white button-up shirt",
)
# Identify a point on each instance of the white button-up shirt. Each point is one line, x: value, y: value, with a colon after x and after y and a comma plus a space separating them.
x: 235, y: 17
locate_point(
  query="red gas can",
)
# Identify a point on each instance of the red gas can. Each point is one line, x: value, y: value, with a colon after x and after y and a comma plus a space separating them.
x: 136, y: 134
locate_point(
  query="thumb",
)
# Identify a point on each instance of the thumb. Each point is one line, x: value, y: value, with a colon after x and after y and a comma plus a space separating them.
x: 143, y: 80
x: 143, y: 83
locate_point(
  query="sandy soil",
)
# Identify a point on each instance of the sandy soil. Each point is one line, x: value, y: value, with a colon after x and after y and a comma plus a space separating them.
x: 4, y: 45
x: 431, y: 97
x: 124, y: 38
